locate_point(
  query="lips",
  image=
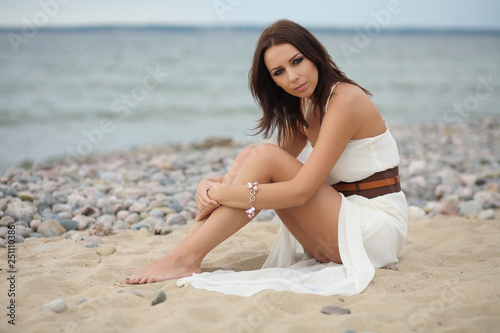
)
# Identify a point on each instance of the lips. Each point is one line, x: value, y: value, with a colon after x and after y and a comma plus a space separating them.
x: 301, y: 88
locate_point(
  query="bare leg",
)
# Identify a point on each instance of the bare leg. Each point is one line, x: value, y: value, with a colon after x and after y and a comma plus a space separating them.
x: 314, y: 224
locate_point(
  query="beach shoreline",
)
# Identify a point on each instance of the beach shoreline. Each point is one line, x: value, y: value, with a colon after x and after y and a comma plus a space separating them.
x: 72, y: 228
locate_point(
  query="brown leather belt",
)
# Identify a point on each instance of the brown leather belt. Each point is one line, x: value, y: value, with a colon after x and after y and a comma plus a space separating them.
x: 380, y: 183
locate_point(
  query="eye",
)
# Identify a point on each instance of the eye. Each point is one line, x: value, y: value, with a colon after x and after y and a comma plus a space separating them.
x: 298, y: 61
x: 278, y: 72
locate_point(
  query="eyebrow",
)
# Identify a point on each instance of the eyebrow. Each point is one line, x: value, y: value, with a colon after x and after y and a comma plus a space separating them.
x: 288, y: 61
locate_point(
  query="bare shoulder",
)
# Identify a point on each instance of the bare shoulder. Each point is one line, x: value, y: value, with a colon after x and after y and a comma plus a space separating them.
x: 352, y: 104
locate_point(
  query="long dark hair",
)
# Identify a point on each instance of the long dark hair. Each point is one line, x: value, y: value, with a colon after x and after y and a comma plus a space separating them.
x: 281, y: 110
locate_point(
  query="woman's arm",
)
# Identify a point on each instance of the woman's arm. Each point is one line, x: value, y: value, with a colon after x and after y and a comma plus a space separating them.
x: 339, y: 125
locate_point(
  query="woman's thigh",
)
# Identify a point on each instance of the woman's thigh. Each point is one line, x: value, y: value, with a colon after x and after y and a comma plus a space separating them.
x: 314, y: 224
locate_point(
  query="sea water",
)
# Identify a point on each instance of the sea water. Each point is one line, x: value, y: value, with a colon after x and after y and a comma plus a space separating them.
x: 71, y: 92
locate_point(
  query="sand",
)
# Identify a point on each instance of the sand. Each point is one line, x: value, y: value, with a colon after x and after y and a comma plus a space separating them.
x: 447, y: 280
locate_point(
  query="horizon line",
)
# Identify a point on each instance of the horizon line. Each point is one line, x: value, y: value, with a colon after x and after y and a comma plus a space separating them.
x: 195, y: 27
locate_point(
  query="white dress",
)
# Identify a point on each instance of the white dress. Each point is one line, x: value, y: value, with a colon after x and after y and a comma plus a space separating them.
x: 371, y: 233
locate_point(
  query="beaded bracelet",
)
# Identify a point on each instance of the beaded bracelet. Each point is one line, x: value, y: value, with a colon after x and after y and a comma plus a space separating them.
x: 253, y: 191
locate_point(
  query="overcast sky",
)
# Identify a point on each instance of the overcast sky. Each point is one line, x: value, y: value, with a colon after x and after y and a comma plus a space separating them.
x: 479, y: 14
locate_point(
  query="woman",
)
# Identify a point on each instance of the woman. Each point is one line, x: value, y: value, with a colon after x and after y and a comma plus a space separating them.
x: 344, y: 205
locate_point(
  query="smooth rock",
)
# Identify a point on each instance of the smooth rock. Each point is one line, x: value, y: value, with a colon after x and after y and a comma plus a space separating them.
x: 51, y: 228
x: 57, y: 306
x: 22, y: 231
x: 332, y: 309
x: 159, y: 296
x: 106, y: 250
x: 471, y: 208
x: 487, y: 214
x: 415, y: 212
x: 131, y: 291
x: 177, y: 220
x: 46, y: 200
x: 69, y: 224
x: 106, y: 218
x: 83, y: 221
x: 137, y: 207
x: 16, y: 208
x: 6, y: 221
x: 95, y: 239
x: 26, y: 196
x: 60, y: 208
x: 78, y: 237
x: 101, y: 229
x: 122, y: 215
x: 132, y: 219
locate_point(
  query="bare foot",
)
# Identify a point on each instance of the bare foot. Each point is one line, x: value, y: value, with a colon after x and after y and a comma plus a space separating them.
x: 168, y: 267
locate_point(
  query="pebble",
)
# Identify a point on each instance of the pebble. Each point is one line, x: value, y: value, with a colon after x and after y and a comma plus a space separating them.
x: 176, y: 220
x: 159, y: 296
x: 51, y: 228
x: 106, y: 250
x: 131, y: 291
x: 16, y: 208
x: 101, y: 229
x: 78, y: 237
x: 59, y: 305
x: 26, y: 196
x: 69, y: 224
x: 332, y: 309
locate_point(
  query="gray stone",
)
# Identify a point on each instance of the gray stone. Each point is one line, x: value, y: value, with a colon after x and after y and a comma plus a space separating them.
x: 158, y: 297
x: 176, y: 219
x: 2, y: 242
x: 131, y: 291
x: 122, y: 214
x: 3, y: 232
x: 16, y: 208
x: 46, y: 200
x: 332, y: 309
x: 95, y: 239
x: 156, y: 213
x: 22, y: 231
x: 35, y: 235
x: 176, y: 207
x: 139, y: 226
x: 108, y: 219
x: 6, y: 221
x: 132, y: 219
x: 69, y: 224
x: 487, y: 214
x: 91, y: 245
x: 25, y: 217
x: 471, y: 208
x: 59, y: 305
x: 120, y: 225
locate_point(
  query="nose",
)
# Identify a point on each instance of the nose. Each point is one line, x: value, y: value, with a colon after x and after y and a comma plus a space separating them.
x: 292, y: 75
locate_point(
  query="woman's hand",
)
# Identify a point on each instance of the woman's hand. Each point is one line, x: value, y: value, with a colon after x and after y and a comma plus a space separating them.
x: 205, y: 205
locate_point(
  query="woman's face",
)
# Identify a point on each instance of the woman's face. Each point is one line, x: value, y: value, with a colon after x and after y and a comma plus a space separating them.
x: 291, y: 71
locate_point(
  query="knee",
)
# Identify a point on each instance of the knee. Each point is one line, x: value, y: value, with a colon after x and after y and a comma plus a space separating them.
x: 266, y: 150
